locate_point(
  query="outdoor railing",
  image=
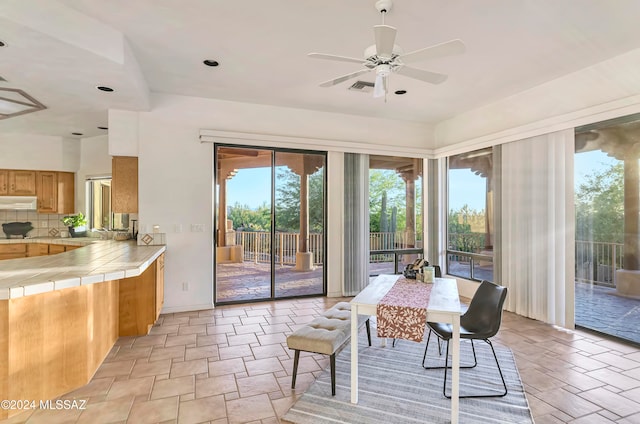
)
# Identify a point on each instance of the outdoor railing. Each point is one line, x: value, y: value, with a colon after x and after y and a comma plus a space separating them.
x: 256, y: 245
x: 597, y: 262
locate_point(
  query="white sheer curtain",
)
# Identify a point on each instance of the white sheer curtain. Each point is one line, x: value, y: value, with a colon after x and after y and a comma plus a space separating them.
x: 356, y: 223
x: 537, y: 209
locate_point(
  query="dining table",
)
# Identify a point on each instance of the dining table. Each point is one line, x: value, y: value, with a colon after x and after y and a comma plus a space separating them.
x: 443, y: 305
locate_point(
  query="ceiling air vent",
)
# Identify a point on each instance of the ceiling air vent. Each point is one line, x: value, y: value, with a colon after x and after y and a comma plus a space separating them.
x: 362, y: 86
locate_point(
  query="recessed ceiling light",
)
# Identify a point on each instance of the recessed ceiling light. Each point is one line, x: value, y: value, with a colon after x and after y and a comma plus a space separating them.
x: 76, y: 134
x: 401, y: 92
x: 211, y: 62
x: 103, y: 88
x: 103, y: 128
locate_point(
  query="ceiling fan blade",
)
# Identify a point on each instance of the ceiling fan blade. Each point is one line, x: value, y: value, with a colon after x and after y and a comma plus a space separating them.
x: 385, y: 39
x: 344, y: 78
x: 335, y: 57
x: 439, y: 50
x: 422, y: 75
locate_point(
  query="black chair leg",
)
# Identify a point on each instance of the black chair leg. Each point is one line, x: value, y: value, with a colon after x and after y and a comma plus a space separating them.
x: 332, y: 360
x: 366, y: 323
x: 444, y: 387
x: 296, y: 357
x: 475, y: 360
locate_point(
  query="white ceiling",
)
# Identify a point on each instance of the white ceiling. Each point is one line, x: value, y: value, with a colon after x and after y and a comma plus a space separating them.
x: 59, y: 51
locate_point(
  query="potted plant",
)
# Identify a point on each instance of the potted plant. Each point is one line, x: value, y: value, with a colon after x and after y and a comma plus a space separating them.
x: 77, y: 224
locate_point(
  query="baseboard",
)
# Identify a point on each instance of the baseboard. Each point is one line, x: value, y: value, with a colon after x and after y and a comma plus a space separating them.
x: 186, y: 308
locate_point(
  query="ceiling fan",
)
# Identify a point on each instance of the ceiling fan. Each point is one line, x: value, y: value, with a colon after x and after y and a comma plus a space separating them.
x: 386, y: 57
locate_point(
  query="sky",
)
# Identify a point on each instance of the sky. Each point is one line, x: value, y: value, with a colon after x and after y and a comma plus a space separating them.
x: 253, y: 186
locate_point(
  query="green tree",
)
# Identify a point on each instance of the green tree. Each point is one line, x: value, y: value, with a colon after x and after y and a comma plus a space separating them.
x: 246, y: 219
x: 461, y: 236
x: 288, y: 201
x: 599, y: 204
x: 383, y: 181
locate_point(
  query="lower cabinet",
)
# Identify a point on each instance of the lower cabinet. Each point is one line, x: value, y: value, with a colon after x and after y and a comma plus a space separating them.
x: 52, y: 343
x: 141, y: 300
x: 13, y: 251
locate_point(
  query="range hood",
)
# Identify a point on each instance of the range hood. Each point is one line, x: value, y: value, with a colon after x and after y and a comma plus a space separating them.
x: 14, y: 203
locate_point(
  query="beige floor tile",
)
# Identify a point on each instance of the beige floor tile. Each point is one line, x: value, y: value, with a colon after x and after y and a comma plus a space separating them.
x: 260, y: 384
x: 150, y: 340
x: 192, y: 329
x: 143, y: 369
x: 112, y: 369
x: 107, y: 412
x: 216, y: 385
x: 189, y: 339
x: 269, y: 351
x: 615, y: 403
x: 171, y: 352
x: 202, y: 410
x: 96, y: 387
x: 571, y: 404
x: 235, y: 352
x: 210, y: 351
x: 173, y: 387
x: 242, y: 339
x: 227, y: 366
x: 263, y: 366
x: 125, y: 353
x: 154, y: 411
x: 193, y: 367
x: 221, y: 329
x: 249, y: 409
x: 51, y: 416
x: 132, y: 387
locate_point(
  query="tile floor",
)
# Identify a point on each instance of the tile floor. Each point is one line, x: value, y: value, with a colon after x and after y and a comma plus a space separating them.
x: 231, y: 365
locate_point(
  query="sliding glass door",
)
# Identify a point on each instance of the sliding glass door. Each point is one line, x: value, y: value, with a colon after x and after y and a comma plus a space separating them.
x: 269, y: 206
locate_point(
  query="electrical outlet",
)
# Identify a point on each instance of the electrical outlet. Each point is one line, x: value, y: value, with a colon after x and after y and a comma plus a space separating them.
x: 185, y: 286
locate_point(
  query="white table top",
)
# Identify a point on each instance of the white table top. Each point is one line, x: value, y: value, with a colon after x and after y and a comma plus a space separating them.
x: 444, y: 295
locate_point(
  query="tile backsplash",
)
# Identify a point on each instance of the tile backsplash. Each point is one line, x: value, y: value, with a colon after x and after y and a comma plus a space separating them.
x: 44, y: 225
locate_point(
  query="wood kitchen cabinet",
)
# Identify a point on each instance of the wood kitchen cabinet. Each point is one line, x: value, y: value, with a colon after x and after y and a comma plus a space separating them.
x: 17, y: 182
x: 124, y: 184
x: 4, y: 182
x: 56, y: 192
x: 47, y: 189
x: 140, y: 300
x: 13, y: 251
x: 159, y: 284
x: 66, y: 192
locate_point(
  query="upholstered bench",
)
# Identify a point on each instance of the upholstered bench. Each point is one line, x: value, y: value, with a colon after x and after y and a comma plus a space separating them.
x: 327, y: 335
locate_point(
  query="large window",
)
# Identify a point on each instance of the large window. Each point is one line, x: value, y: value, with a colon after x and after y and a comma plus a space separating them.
x: 395, y: 212
x: 470, y: 228
x: 607, y: 233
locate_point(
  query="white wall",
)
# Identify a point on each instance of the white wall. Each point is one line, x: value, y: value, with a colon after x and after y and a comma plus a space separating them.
x: 39, y: 152
x: 94, y: 161
x: 603, y: 91
x: 176, y: 175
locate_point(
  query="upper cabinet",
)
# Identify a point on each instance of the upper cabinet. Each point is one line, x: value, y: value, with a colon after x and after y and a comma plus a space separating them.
x: 55, y: 190
x: 47, y: 185
x: 124, y: 184
x: 66, y: 192
x: 17, y: 182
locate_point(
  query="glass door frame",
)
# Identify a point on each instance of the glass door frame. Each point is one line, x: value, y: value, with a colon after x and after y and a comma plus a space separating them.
x: 274, y: 151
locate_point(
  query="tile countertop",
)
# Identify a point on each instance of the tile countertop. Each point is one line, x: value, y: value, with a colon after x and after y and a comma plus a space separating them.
x: 97, y: 261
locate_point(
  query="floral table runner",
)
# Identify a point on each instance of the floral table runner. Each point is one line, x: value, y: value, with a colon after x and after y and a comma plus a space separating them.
x: 402, y: 312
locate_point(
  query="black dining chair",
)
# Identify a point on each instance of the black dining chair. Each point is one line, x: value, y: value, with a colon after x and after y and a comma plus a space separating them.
x: 480, y: 322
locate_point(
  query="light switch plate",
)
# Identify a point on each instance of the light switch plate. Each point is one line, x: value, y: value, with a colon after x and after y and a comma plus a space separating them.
x: 197, y: 228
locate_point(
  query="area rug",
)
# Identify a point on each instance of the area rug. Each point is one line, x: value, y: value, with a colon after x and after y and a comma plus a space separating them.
x: 394, y: 388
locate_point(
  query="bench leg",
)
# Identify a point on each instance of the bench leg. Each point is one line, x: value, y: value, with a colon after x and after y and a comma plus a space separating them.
x: 296, y: 357
x: 368, y: 330
x: 333, y: 374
